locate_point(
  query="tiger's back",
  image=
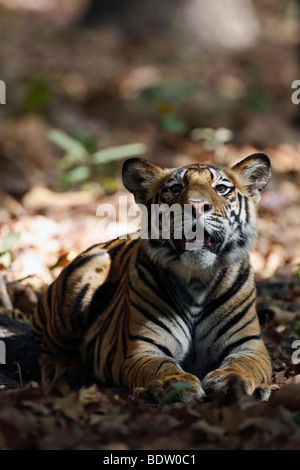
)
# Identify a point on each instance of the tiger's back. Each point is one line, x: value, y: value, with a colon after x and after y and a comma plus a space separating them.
x: 145, y: 313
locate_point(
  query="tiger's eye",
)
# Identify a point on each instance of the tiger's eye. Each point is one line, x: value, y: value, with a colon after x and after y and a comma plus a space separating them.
x: 222, y: 189
x: 175, y: 188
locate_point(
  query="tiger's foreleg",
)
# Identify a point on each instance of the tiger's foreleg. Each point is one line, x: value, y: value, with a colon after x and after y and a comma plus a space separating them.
x: 250, y: 361
x: 152, y: 377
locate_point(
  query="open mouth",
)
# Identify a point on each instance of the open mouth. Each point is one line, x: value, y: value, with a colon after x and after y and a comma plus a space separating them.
x: 207, y: 243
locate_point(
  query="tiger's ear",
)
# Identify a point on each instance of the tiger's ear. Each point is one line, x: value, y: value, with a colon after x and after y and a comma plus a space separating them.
x: 139, y: 177
x: 255, y: 170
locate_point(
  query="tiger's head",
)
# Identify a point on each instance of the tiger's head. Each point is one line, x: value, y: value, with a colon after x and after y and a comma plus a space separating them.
x: 221, y: 201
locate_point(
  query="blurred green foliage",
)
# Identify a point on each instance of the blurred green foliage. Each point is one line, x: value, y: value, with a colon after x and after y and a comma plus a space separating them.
x: 38, y: 93
x: 182, y: 105
x: 297, y: 328
x: 212, y: 137
x: 81, y: 161
x: 167, y: 100
x: 169, y: 92
x: 170, y: 396
x: 61, y: 262
x: 7, y: 244
x: 297, y: 271
x: 257, y: 99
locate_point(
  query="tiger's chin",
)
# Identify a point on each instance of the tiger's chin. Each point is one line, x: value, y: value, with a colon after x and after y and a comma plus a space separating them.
x: 207, y: 259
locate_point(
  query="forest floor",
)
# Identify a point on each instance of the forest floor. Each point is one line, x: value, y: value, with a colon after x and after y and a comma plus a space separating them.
x: 148, y: 92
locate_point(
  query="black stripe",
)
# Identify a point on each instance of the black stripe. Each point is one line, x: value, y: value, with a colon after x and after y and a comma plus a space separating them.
x: 130, y: 245
x: 162, y: 348
x: 100, y: 301
x: 112, y: 313
x: 241, y: 242
x: 120, y: 244
x: 242, y: 327
x: 142, y: 356
x: 233, y: 320
x: 216, y: 283
x: 261, y: 370
x: 144, y: 269
x: 53, y: 340
x: 56, y: 328
x: 267, y: 361
x: 240, y: 197
x: 58, y: 294
x: 77, y: 309
x: 123, y: 314
x: 182, y: 311
x: 221, y: 320
x: 37, y: 330
x: 91, y: 355
x: 163, y: 293
x: 107, y: 323
x: 211, y: 174
x: 214, y: 304
x: 110, y: 357
x: 177, y: 285
x: 155, y: 320
x: 162, y: 364
x: 97, y: 357
x: 100, y: 245
x: 156, y: 243
x: 105, y: 295
x: 246, y: 209
x: 40, y: 311
x: 49, y: 297
x: 235, y: 345
x: 125, y: 327
x: 147, y: 301
x: 216, y: 218
x: 235, y: 216
x: 77, y: 263
x: 137, y: 370
x: 163, y: 312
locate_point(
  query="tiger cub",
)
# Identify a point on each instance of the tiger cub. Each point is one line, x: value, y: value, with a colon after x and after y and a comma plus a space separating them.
x: 147, y: 312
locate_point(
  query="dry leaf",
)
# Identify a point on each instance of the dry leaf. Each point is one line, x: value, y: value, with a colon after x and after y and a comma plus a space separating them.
x: 202, y: 425
x: 294, y: 380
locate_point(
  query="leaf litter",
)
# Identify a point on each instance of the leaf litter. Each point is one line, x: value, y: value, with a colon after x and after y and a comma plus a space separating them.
x: 42, y: 230
x: 105, y: 418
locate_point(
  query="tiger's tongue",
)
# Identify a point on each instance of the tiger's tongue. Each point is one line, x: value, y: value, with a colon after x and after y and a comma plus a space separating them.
x: 207, y: 240
x: 207, y: 243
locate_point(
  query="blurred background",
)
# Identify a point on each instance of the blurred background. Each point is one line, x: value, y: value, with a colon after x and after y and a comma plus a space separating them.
x: 90, y: 83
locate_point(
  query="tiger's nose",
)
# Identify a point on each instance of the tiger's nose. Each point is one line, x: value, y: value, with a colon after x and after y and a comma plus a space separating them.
x: 199, y: 207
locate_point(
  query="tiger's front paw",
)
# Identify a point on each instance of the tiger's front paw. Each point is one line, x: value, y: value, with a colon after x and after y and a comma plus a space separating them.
x: 171, y: 389
x: 218, y: 380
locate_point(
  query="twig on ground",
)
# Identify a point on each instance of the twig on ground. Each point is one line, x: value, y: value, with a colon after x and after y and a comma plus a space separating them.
x: 4, y: 297
x: 20, y: 374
